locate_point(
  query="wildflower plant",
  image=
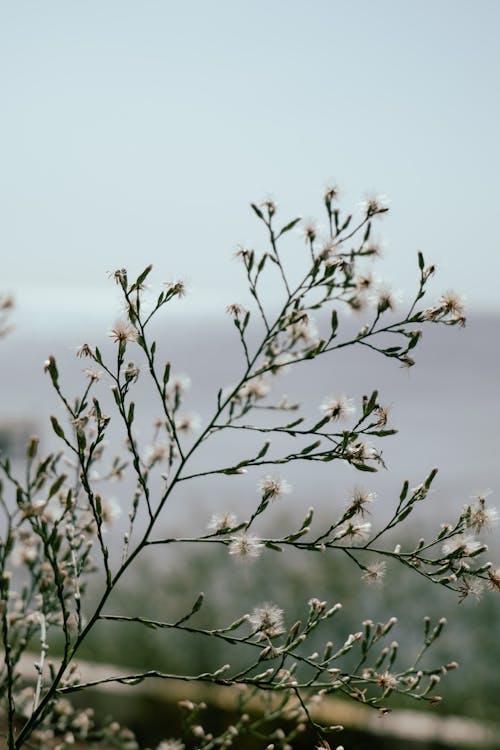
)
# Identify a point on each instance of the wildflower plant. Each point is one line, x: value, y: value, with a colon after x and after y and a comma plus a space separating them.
x: 55, y: 515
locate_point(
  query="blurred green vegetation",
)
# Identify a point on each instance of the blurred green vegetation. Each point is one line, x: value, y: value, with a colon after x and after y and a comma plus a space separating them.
x: 165, y: 585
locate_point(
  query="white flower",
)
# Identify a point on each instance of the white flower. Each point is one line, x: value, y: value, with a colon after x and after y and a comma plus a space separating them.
x: 281, y: 361
x: 158, y: 451
x: 221, y: 522
x: 385, y: 299
x: 304, y: 328
x: 273, y: 487
x: 374, y: 204
x: 267, y: 619
x: 358, y: 499
x: 361, y: 452
x: 180, y: 382
x: 375, y: 572
x: 92, y: 374
x: 452, y: 303
x: 387, y: 680
x: 480, y: 516
x: 187, y: 422
x: 309, y: 229
x: 123, y: 332
x: 494, y: 579
x: 357, y: 533
x: 110, y: 509
x: 170, y: 745
x: 255, y: 388
x: 471, y: 587
x: 245, y: 545
x: 461, y: 545
x: 337, y: 408
x: 175, y: 288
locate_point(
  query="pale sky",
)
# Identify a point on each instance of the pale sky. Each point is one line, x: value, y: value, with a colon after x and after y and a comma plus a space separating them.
x: 138, y: 132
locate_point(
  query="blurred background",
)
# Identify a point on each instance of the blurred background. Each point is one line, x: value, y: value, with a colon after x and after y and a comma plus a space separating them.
x: 136, y: 133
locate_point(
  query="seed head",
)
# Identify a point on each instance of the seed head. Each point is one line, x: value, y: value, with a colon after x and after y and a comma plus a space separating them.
x: 337, y: 408
x: 273, y: 487
x: 245, y: 545
x: 267, y: 620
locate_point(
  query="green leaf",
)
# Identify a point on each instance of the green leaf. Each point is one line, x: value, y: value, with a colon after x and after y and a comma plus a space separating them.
x: 320, y: 424
x: 166, y: 373
x: 142, y: 277
x: 57, y: 485
x: 258, y: 211
x: 310, y: 448
x: 346, y: 223
x: 405, y: 513
x: 264, y: 449
x: 363, y: 467
x: 404, y: 491
x: 273, y: 546
x: 370, y: 404
x: 289, y: 226
x: 334, y: 323
x: 51, y: 368
x: 430, y: 479
x: 57, y: 428
x: 131, y: 410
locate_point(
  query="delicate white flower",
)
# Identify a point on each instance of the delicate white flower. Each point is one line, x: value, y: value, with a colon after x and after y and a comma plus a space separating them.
x: 180, y: 382
x: 375, y: 572
x: 267, y: 619
x: 361, y: 452
x: 359, y: 499
x: 452, y: 303
x: 235, y: 309
x: 281, y: 361
x: 269, y: 203
x: 374, y: 204
x: 110, y: 509
x: 254, y: 389
x: 309, y: 229
x: 158, y: 451
x: 303, y: 329
x: 337, y: 408
x: 385, y: 299
x: 175, y: 288
x: 387, y: 680
x: 273, y: 487
x: 187, y: 422
x: 470, y: 587
x: 357, y: 533
x: 461, y: 545
x: 479, y: 515
x: 171, y: 744
x: 92, y: 374
x: 494, y: 579
x: 222, y: 522
x: 245, y: 545
x: 123, y: 332
x: 332, y: 192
